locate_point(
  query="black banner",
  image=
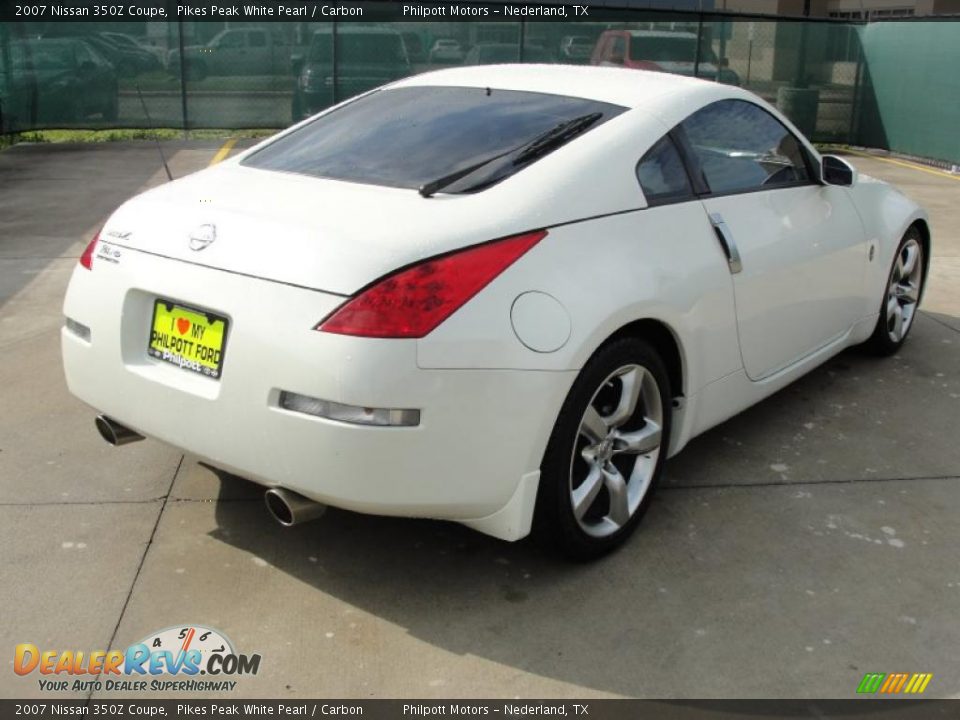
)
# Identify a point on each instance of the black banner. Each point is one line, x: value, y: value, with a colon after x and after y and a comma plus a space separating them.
x: 289, y: 11
x: 330, y: 11
x: 512, y: 709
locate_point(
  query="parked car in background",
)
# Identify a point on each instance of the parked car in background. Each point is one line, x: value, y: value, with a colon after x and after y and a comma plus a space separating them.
x: 446, y: 50
x: 414, y: 47
x: 672, y: 52
x: 498, y: 53
x: 575, y: 48
x: 128, y: 57
x: 236, y: 51
x: 14, y: 99
x: 366, y: 58
x: 65, y: 79
x: 128, y: 60
x: 500, y: 295
x: 130, y: 43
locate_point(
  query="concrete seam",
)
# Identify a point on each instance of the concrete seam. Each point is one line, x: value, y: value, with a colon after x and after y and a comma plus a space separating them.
x: 939, y: 321
x: 143, y: 559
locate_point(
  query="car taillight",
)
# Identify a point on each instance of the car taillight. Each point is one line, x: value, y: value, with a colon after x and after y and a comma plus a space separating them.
x: 86, y: 259
x: 412, y: 302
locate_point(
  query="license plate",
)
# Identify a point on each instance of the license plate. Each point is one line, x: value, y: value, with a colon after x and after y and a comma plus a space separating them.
x: 189, y: 338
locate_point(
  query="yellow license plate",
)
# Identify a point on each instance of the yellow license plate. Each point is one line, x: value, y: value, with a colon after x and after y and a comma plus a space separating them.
x: 188, y: 338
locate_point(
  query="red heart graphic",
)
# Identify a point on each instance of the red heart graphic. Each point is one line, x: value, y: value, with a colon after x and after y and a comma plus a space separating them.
x: 183, y: 325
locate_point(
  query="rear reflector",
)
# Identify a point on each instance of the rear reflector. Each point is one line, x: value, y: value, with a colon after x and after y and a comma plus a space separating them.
x: 412, y: 302
x: 86, y: 259
x: 383, y: 417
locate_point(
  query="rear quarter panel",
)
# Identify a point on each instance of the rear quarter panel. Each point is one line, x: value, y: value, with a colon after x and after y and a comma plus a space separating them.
x: 658, y: 263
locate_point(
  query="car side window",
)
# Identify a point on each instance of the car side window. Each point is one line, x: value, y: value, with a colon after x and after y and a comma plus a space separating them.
x: 662, y: 175
x: 741, y: 147
x: 231, y: 40
x: 257, y: 39
x: 618, y: 50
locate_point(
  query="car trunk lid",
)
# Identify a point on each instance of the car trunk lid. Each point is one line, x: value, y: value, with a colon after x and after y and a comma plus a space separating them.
x: 314, y: 233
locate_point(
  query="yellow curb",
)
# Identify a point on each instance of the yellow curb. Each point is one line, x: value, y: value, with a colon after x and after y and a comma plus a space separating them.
x: 903, y: 163
x: 224, y: 150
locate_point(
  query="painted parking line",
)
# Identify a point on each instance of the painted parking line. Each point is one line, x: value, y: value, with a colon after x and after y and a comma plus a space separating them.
x: 224, y: 150
x: 904, y: 163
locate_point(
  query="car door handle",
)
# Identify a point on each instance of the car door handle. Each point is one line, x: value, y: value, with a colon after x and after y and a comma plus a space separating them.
x: 729, y: 245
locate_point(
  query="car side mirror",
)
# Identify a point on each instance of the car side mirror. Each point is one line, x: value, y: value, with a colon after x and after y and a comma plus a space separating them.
x: 837, y: 171
x: 723, y: 62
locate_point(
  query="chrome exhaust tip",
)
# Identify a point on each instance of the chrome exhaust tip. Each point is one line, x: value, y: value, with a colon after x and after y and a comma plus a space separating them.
x: 115, y: 433
x: 289, y: 508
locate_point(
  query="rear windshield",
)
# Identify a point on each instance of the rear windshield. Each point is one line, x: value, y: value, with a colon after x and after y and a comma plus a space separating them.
x: 406, y: 137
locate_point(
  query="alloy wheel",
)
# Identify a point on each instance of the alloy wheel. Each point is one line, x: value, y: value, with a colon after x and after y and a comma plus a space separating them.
x: 615, y: 455
x: 903, y: 293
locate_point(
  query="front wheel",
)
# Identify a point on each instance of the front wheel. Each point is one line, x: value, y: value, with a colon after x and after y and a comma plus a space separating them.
x: 606, y: 451
x: 901, y: 297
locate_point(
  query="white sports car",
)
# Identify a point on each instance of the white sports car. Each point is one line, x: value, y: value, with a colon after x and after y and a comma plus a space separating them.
x: 497, y: 295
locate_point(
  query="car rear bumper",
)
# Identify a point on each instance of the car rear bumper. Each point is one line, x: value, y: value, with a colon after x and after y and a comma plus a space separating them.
x: 473, y: 457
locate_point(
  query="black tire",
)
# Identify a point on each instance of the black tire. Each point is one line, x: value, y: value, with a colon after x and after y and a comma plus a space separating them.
x: 112, y: 109
x: 195, y: 69
x: 556, y: 522
x: 296, y: 107
x: 881, y: 342
x: 70, y: 110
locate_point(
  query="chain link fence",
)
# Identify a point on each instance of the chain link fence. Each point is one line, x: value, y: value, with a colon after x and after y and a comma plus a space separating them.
x: 191, y: 75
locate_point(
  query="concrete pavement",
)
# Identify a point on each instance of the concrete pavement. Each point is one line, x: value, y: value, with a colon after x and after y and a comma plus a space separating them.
x: 798, y: 546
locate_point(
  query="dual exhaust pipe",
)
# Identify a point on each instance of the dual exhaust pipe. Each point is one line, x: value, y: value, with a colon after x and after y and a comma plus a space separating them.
x: 115, y: 433
x: 287, y: 507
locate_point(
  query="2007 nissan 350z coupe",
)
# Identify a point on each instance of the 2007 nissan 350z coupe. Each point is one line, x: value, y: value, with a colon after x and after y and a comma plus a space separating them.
x: 495, y: 295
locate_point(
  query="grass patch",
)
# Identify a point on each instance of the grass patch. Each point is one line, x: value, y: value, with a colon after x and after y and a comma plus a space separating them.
x: 118, y: 134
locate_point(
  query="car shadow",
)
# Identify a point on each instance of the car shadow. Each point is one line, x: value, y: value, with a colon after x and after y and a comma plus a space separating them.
x: 614, y: 625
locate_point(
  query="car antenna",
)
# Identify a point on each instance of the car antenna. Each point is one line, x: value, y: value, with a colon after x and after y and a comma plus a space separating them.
x: 155, y: 138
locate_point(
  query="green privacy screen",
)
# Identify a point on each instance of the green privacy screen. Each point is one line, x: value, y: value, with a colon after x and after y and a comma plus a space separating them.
x: 266, y: 75
x: 911, y: 102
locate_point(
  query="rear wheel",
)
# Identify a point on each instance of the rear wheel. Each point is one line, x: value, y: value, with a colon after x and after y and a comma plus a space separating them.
x: 112, y: 108
x: 901, y: 296
x: 606, y: 451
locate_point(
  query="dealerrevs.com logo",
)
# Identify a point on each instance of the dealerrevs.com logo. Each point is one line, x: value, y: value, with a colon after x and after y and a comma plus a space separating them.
x: 183, y: 658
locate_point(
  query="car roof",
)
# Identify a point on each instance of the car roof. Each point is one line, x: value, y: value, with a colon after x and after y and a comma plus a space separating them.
x: 50, y: 41
x: 346, y: 29
x: 658, y: 34
x: 620, y: 86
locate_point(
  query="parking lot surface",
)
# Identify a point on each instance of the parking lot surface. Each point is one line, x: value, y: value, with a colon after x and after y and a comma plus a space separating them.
x: 791, y: 550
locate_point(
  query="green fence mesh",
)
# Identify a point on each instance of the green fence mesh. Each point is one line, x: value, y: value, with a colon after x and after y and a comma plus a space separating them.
x: 911, y: 98
x: 248, y: 75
